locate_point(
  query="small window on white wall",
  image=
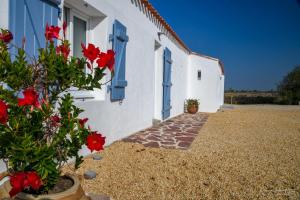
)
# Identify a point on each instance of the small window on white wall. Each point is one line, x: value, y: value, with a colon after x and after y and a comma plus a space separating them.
x: 199, y: 74
x: 77, y: 30
x: 79, y: 36
x: 85, y: 24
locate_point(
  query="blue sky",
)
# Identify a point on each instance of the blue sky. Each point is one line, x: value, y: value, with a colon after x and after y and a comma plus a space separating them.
x: 257, y: 40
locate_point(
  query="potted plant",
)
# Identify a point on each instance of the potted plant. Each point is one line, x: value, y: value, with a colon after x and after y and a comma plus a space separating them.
x: 40, y: 127
x: 192, y: 106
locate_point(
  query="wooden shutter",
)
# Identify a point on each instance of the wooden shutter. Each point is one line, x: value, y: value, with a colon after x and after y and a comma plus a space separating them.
x: 167, y: 84
x: 119, y: 40
x: 28, y: 18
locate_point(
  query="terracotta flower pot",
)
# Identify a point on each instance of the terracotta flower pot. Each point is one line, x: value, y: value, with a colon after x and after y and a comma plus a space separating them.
x: 192, y: 109
x: 74, y: 193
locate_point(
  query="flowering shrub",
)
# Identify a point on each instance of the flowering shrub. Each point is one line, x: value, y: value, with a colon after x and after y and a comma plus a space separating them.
x: 40, y: 128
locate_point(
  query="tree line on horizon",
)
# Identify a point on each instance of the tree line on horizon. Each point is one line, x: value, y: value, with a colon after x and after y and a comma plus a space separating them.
x: 287, y: 92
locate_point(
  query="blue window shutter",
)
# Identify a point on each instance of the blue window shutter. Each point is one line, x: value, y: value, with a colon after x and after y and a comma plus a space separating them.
x: 119, y: 40
x: 28, y: 18
x: 167, y: 84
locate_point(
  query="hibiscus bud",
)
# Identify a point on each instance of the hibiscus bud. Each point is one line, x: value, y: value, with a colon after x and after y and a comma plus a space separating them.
x: 64, y: 28
x: 6, y: 36
x: 23, y: 42
x: 63, y: 50
x: 82, y: 122
x: 3, y: 112
x: 55, y: 120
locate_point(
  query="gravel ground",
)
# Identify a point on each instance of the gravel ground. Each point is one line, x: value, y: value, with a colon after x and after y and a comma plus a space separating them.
x: 250, y: 152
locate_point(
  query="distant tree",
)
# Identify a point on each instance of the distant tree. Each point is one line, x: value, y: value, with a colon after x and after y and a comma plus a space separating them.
x: 289, y: 88
x: 230, y: 90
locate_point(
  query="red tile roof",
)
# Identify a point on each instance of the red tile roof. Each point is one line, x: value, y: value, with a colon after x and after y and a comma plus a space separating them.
x: 163, y: 22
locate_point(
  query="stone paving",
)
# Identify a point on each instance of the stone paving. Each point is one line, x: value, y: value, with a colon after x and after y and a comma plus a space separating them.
x: 176, y: 133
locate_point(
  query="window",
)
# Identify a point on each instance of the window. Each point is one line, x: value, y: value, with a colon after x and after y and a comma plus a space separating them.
x: 79, y: 36
x: 85, y: 24
x: 77, y: 30
x: 77, y: 33
x: 199, y: 74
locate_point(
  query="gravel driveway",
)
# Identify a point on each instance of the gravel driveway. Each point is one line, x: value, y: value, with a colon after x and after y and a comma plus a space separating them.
x: 249, y: 152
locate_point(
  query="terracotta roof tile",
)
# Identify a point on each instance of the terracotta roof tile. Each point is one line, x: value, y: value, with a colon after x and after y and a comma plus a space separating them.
x: 161, y: 20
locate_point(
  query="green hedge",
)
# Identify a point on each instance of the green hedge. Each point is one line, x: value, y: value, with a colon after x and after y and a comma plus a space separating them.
x: 251, y: 100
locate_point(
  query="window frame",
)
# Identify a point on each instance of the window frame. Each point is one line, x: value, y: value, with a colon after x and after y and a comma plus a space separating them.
x: 70, y: 24
x: 79, y: 95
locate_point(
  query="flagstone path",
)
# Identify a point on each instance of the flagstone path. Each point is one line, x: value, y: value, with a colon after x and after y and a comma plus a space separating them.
x: 176, y: 133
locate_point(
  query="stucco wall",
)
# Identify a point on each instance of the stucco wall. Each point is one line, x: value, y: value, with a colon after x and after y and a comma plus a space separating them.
x: 143, y: 95
x: 4, y: 15
x: 144, y: 72
x: 209, y: 90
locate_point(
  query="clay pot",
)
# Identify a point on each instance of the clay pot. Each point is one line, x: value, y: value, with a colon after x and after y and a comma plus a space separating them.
x: 74, y: 193
x: 192, y: 109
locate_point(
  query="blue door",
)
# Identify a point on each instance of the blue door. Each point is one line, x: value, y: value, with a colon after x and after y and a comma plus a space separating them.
x: 167, y: 84
x: 28, y: 19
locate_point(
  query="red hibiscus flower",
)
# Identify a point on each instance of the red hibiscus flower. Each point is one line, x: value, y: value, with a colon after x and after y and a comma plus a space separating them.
x: 82, y: 122
x: 52, y: 32
x: 91, y: 52
x: 64, y: 50
x: 17, y: 183
x: 34, y: 180
x: 6, y: 36
x: 3, y: 112
x: 30, y: 98
x: 21, y: 180
x: 95, y: 141
x: 107, y: 60
x: 55, y: 120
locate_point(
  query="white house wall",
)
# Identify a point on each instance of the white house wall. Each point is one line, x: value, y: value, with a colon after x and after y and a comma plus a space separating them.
x: 117, y: 120
x: 4, y: 15
x: 209, y: 90
x: 144, y: 71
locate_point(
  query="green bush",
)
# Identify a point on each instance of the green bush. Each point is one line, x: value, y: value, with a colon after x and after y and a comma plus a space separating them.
x: 289, y: 88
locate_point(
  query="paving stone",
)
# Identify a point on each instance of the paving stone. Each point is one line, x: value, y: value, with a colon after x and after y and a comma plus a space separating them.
x: 168, y: 143
x: 99, y: 197
x: 97, y: 157
x: 153, y: 138
x: 184, y: 144
x: 90, y: 174
x: 151, y: 144
x: 185, y: 139
x: 168, y: 147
